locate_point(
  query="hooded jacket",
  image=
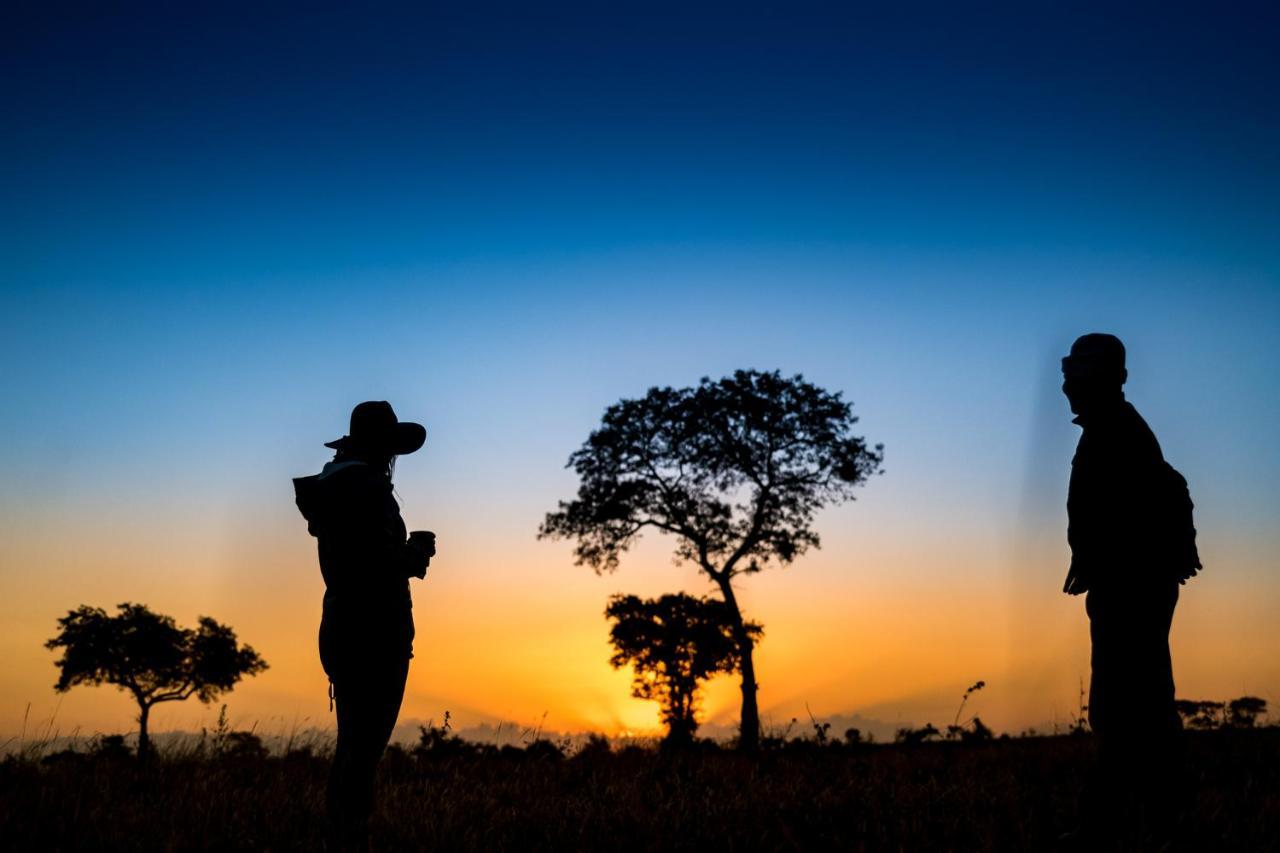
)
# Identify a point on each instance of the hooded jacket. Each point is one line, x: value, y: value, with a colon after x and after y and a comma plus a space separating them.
x: 366, y: 562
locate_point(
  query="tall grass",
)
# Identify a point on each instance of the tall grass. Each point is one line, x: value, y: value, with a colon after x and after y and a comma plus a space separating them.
x: 1017, y: 794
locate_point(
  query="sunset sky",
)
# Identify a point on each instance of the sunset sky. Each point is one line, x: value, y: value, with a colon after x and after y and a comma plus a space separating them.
x: 218, y: 235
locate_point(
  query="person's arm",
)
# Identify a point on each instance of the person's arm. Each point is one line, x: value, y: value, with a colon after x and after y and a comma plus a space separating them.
x: 1081, y: 529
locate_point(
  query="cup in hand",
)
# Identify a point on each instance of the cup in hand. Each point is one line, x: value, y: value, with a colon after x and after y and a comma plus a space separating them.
x: 424, y: 540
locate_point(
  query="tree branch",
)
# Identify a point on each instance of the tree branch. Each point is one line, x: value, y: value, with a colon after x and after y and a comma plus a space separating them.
x: 751, y: 539
x: 177, y: 694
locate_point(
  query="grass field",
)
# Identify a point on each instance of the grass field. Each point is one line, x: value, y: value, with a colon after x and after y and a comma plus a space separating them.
x: 1014, y: 794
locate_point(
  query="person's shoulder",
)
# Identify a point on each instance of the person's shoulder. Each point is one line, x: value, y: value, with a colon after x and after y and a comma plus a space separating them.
x: 355, y: 476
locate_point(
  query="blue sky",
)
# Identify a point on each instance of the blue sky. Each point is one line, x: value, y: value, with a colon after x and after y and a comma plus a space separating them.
x: 169, y: 145
x: 220, y: 232
x: 208, y: 215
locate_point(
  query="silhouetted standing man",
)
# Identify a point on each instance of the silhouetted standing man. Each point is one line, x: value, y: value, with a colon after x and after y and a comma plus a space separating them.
x: 366, y: 632
x: 1132, y: 544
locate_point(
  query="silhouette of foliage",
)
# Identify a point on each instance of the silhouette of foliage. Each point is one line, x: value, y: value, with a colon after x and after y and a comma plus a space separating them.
x: 972, y: 731
x: 152, y: 658
x: 1080, y: 719
x: 243, y: 746
x: 673, y: 643
x: 593, y: 748
x: 544, y: 750
x: 110, y: 748
x: 1243, y: 713
x: 911, y: 736
x: 821, y: 731
x: 1200, y: 714
x: 436, y: 742
x: 973, y: 728
x: 1010, y: 795
x: 225, y: 742
x: 735, y: 469
x: 1206, y: 715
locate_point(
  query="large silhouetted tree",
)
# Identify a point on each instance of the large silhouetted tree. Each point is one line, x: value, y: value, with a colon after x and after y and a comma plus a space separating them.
x: 151, y: 657
x: 735, y: 469
x: 672, y: 644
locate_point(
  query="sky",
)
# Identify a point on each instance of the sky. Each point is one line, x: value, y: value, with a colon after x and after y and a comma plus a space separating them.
x: 218, y: 232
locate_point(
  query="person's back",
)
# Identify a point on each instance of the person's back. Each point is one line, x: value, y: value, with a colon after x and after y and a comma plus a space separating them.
x: 1129, y: 554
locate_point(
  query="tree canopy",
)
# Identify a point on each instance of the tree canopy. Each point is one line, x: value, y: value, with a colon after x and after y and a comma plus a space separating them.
x: 735, y: 468
x: 150, y: 656
x: 673, y: 643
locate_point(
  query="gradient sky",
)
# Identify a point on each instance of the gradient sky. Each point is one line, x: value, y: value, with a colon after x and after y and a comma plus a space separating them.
x: 218, y: 234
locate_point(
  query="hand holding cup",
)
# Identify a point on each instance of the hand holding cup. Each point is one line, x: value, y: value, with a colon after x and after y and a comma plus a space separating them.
x: 424, y: 541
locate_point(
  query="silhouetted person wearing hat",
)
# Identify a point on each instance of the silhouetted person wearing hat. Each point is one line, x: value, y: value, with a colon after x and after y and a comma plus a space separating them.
x: 1132, y: 544
x: 366, y: 632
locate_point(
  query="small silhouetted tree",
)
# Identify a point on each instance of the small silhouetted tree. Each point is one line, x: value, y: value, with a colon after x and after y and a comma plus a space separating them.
x: 673, y: 643
x: 148, y: 655
x: 1243, y: 713
x: 734, y: 469
x: 1200, y: 714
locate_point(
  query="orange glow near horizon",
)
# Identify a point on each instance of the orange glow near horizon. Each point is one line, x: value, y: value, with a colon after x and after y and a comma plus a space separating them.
x: 512, y: 632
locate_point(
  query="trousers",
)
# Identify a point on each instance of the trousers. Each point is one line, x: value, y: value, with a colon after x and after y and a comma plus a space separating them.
x: 1137, y: 783
x: 368, y: 696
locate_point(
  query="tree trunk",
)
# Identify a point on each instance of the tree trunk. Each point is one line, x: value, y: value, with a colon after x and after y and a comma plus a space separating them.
x: 144, y: 740
x: 749, y: 722
x: 680, y: 732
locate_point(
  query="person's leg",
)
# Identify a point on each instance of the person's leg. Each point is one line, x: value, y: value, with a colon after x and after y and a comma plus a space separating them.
x: 1138, y: 729
x: 1162, y: 782
x: 1106, y: 806
x: 344, y: 795
x: 383, y: 693
x: 368, y: 701
x: 390, y: 697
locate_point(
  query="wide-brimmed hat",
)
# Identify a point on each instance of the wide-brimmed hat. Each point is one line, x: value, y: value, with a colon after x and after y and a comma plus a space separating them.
x: 375, y: 429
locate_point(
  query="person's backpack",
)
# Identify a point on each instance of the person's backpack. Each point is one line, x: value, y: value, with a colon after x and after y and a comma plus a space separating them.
x: 1177, y: 529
